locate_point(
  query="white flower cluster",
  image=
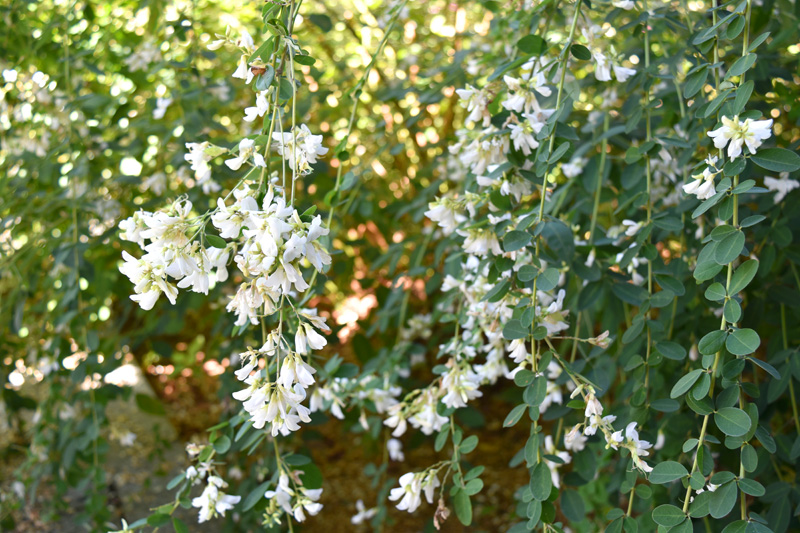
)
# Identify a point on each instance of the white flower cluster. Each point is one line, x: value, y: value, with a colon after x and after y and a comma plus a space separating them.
x: 606, y: 59
x: 279, y: 403
x: 412, y: 486
x: 291, y: 497
x: 300, y: 148
x: 615, y: 439
x: 274, y: 245
x: 735, y: 133
x: 171, y: 253
x: 213, y: 501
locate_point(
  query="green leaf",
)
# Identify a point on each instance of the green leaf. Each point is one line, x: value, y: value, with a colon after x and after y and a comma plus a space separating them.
x: 734, y: 28
x: 716, y: 292
x: 771, y: 370
x: 514, y: 240
x: 722, y: 500
x: 751, y: 487
x: 777, y: 160
x: 671, y: 284
x: 255, y: 495
x: 668, y: 515
x: 708, y: 204
x: 667, y: 472
x: 174, y: 482
x: 527, y: 273
x: 514, y: 330
x: 732, y: 311
x: 532, y: 44
x: 732, y: 421
x: 741, y: 65
x: 572, y: 506
x: 742, y: 96
x: 222, y: 444
x: 158, y: 519
x: 468, y: 444
x: 548, y: 280
x: 580, y: 52
x: 743, y: 275
x: 179, y: 525
x: 712, y: 342
x: 743, y: 342
x: 498, y: 291
x: 296, y: 459
x: 523, y: 378
x: 322, y: 21
x: 695, y: 82
x: 473, y: 487
x: 216, y: 242
x: 671, y: 350
x: 729, y: 248
x: 541, y: 482
x: 264, y: 80
x: 463, y: 507
x: 515, y: 415
x: 630, y: 293
x: 685, y: 383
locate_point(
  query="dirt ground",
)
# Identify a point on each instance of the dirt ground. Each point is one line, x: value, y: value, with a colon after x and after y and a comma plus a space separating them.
x: 133, y: 487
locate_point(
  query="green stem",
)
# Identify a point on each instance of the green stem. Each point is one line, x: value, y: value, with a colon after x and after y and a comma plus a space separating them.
x: 648, y: 171
x: 600, y: 175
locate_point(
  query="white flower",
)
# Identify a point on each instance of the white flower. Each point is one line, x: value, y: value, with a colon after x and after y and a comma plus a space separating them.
x: 261, y: 107
x: 602, y: 67
x: 522, y: 137
x: 475, y: 102
x: 246, y: 149
x: 306, y: 337
x: 623, y: 4
x: 149, y: 281
x: 622, y: 73
x: 523, y: 92
x: 299, y: 147
x: 574, y: 440
x: 633, y: 227
x: 198, y: 160
x: 127, y: 438
x: 363, y: 514
x: 481, y: 241
x: 213, y: 501
x: 574, y: 167
x: 554, y: 318
x: 445, y: 212
x: 133, y: 226
x: 295, y: 370
x: 593, y: 407
x: 395, y: 448
x: 425, y: 417
x: 243, y: 71
x: 750, y: 132
x: 246, y: 41
x: 461, y: 384
x: 782, y: 185
x: 409, y: 492
x: 162, y: 104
